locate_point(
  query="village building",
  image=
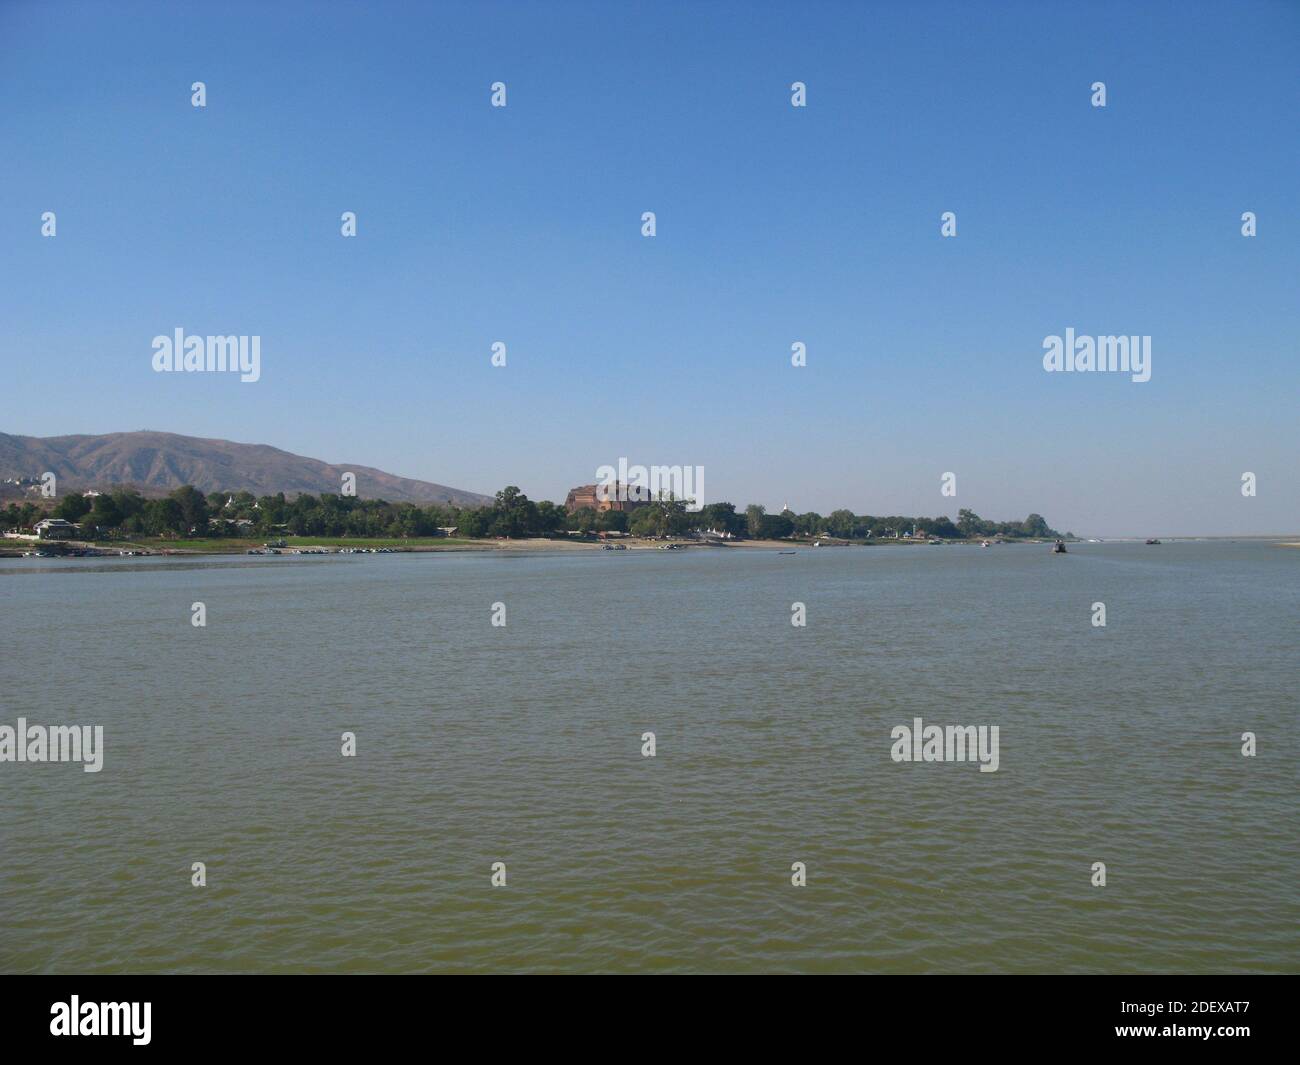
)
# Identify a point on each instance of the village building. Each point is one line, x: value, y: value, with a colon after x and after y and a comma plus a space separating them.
x: 55, y: 529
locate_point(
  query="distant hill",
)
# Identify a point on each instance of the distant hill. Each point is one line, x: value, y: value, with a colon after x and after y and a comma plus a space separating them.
x: 155, y: 463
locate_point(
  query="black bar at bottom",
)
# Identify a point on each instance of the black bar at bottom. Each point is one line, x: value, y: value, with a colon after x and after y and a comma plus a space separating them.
x: 350, y: 1013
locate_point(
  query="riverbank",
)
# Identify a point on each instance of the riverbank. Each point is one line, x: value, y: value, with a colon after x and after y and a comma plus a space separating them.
x: 297, y: 545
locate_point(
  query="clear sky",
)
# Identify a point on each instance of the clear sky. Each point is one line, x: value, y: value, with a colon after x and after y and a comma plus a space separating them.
x: 775, y: 224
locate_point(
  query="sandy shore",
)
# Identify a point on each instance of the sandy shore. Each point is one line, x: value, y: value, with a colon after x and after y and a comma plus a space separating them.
x: 632, y: 543
x: 327, y: 546
x: 524, y: 546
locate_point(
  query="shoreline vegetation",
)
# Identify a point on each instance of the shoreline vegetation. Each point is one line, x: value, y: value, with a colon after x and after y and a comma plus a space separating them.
x: 186, y: 521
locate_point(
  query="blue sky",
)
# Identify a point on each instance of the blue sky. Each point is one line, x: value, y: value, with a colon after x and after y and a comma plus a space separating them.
x: 775, y: 225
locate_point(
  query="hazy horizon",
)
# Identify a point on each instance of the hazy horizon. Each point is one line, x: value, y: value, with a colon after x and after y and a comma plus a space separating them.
x: 741, y: 504
x: 775, y: 225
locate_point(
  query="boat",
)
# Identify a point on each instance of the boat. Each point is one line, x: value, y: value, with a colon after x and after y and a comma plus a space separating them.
x: 785, y: 552
x: 1058, y: 548
x: 1153, y: 541
x: 985, y: 543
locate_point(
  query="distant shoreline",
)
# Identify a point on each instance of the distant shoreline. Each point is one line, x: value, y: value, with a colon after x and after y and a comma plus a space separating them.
x: 201, y: 548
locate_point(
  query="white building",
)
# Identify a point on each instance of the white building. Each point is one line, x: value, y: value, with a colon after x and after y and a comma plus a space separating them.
x: 56, y: 529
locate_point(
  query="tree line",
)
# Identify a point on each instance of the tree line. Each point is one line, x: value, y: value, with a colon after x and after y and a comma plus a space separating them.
x: 187, y: 512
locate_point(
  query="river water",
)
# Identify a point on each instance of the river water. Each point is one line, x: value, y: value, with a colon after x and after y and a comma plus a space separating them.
x: 522, y: 744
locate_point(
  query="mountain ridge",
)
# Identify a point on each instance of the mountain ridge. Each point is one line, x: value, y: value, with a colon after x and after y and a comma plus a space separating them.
x: 157, y: 462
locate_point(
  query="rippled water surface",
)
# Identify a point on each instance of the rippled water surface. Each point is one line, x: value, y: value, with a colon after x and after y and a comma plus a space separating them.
x: 523, y: 745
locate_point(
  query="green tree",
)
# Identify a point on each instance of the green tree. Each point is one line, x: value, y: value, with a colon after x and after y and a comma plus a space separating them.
x: 552, y: 518
x: 72, y: 507
x: 1035, y: 525
x: 583, y: 520
x: 271, y: 510
x: 612, y: 521
x: 128, y: 501
x: 515, y: 515
x: 647, y: 521
x: 840, y: 524
x: 475, y: 521
x: 722, y: 517
x: 104, y: 515
x: 162, y: 517
x: 673, y: 517
x: 942, y: 527
x: 776, y: 526
x: 193, y: 508
x: 809, y: 524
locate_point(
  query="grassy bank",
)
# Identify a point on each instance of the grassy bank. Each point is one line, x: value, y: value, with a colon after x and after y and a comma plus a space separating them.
x: 238, y: 545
